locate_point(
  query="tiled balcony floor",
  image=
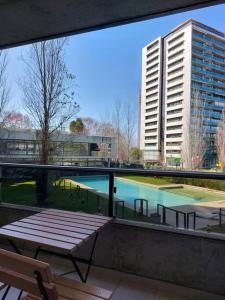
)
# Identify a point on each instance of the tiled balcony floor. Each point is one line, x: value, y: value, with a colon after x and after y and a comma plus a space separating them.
x: 127, y: 286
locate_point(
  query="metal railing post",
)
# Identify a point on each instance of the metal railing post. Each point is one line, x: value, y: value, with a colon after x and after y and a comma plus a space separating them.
x: 220, y: 217
x: 164, y: 215
x: 185, y: 221
x: 177, y: 219
x: 0, y: 184
x: 194, y: 221
x: 111, y: 194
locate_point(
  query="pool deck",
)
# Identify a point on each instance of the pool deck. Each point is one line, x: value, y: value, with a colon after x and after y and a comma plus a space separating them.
x: 207, y: 212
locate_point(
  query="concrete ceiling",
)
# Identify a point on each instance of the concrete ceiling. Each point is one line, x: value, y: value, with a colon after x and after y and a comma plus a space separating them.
x: 26, y: 21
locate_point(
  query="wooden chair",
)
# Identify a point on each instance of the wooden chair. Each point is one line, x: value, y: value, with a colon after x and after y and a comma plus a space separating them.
x: 36, y: 279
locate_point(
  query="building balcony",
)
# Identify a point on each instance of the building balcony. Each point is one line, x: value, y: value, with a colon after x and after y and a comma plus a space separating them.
x: 171, y: 84
x: 174, y: 115
x: 209, y: 57
x: 173, y: 139
x: 207, y: 80
x: 208, y: 48
x: 206, y: 72
x: 173, y: 59
x: 211, y: 40
x: 176, y: 49
x: 173, y: 147
x: 151, y: 85
x: 152, y: 61
x: 175, y: 90
x: 121, y: 261
x: 209, y: 65
x: 175, y: 123
x: 153, y: 68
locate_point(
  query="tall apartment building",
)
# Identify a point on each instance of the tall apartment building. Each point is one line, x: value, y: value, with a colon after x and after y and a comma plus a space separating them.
x: 186, y: 64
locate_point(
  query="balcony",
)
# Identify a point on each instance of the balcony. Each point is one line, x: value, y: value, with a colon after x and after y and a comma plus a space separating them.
x: 125, y: 243
x: 209, y: 65
x: 211, y: 73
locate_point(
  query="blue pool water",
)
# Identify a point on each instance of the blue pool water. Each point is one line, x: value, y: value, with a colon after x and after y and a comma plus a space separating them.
x: 129, y: 191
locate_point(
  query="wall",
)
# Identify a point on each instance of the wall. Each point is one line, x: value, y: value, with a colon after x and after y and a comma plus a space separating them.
x: 190, y: 259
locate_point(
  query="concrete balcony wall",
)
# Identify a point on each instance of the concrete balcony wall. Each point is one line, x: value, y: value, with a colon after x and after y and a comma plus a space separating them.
x: 187, y: 258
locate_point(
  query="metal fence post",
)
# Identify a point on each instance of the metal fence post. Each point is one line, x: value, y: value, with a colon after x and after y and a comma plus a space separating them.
x: 185, y: 221
x: 111, y: 194
x: 194, y: 221
x: 0, y: 184
x: 177, y: 219
x: 164, y: 215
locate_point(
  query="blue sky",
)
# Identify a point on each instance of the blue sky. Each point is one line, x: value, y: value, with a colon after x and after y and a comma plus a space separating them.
x: 107, y: 63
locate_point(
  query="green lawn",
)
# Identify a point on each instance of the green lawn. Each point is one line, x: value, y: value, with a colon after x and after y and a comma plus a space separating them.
x: 189, y: 192
x: 150, y: 180
x: 24, y: 193
x: 215, y: 228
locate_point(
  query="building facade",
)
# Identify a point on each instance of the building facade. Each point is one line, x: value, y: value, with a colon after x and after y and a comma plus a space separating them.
x: 190, y: 80
x: 151, y: 104
x: 65, y: 148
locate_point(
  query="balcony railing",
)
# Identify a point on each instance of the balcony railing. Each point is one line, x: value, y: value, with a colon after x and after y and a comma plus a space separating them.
x: 16, y: 180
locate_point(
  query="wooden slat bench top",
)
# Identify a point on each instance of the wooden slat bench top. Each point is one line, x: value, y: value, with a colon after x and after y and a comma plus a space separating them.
x: 62, y: 230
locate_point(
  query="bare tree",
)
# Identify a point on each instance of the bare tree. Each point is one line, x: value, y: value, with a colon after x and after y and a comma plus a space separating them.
x: 117, y: 120
x: 220, y: 142
x: 194, y: 145
x: 4, y: 89
x: 90, y: 126
x: 129, y: 128
x: 47, y: 90
x: 48, y: 98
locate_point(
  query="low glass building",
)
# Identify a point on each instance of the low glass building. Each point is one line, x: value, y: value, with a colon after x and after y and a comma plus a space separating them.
x: 19, y: 145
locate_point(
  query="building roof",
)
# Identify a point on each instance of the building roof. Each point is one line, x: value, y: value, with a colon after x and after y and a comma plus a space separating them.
x: 198, y: 24
x: 31, y: 135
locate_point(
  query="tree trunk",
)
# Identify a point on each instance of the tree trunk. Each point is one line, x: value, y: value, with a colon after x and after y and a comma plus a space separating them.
x: 42, y: 179
x: 41, y: 187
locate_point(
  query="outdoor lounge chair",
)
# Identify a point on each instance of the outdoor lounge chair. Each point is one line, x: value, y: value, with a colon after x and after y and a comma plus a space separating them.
x: 36, y: 278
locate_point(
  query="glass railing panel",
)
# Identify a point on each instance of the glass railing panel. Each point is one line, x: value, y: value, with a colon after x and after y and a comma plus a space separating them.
x: 169, y: 200
x: 66, y: 190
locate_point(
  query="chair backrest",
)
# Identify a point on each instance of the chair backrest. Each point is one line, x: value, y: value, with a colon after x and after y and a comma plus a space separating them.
x: 27, y: 274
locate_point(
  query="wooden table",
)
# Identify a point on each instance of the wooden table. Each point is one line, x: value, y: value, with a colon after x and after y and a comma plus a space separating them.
x: 57, y: 232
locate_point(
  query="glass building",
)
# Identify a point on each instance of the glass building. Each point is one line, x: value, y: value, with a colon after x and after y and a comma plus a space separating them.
x: 183, y: 82
x: 65, y: 148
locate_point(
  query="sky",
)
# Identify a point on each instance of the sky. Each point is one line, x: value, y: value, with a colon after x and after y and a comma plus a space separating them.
x: 107, y: 63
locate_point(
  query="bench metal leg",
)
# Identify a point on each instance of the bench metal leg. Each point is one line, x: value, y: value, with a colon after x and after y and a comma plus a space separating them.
x: 20, y: 294
x: 17, y: 250
x: 72, y: 258
x: 75, y: 260
x: 91, y: 257
x: 6, y: 292
x: 87, y: 261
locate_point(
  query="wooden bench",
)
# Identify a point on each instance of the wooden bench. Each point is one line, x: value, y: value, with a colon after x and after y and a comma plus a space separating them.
x: 36, y: 278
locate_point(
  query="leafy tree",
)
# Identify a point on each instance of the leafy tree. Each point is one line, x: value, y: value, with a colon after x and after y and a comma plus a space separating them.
x: 77, y: 126
x: 136, y: 154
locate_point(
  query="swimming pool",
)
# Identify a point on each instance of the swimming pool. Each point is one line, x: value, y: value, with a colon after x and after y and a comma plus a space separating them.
x: 129, y: 191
